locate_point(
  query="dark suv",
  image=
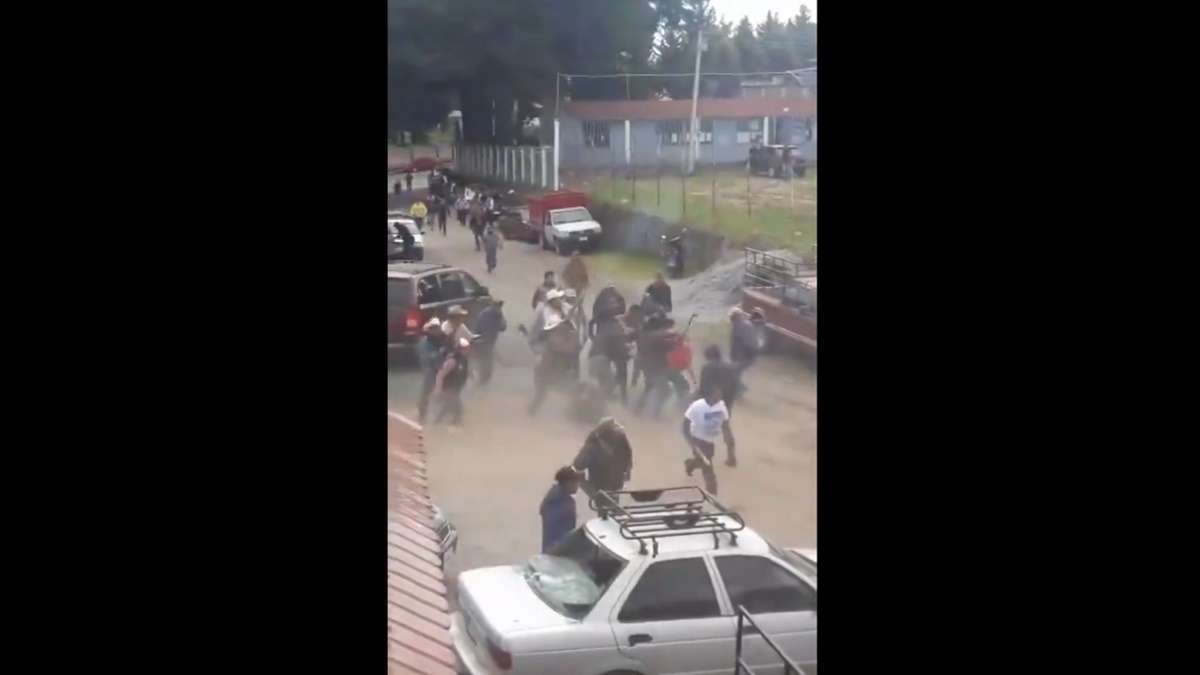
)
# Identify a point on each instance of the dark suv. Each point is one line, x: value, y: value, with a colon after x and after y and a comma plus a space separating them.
x: 419, y: 291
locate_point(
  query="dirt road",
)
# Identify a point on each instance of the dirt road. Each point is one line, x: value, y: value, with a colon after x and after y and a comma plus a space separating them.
x: 491, y: 476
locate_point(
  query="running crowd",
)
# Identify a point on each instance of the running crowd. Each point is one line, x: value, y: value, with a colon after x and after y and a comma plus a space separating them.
x: 625, y: 343
x: 476, y: 210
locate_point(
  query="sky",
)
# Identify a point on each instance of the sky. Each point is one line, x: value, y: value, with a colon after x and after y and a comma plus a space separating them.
x: 734, y: 10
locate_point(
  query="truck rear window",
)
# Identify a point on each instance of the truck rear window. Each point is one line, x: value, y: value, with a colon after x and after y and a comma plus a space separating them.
x: 568, y: 216
x: 399, y: 293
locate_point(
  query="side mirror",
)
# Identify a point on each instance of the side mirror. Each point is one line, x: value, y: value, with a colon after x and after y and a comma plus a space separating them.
x: 482, y: 292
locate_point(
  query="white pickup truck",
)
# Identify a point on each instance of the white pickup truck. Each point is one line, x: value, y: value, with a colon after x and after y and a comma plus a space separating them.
x: 563, y: 222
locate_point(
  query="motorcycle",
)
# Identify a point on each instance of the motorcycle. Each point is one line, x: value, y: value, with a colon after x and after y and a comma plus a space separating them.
x: 673, y: 255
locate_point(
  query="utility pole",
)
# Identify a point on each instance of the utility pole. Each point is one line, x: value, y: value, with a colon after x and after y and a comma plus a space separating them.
x: 557, y: 128
x: 694, y: 141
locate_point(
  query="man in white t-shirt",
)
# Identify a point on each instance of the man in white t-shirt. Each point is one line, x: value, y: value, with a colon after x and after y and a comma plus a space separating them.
x: 703, y: 424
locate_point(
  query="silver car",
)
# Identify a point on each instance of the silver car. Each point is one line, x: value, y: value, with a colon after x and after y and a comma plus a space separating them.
x: 649, y: 588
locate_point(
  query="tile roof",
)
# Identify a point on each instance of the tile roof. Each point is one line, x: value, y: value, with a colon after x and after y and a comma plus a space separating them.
x: 708, y: 108
x: 418, y: 611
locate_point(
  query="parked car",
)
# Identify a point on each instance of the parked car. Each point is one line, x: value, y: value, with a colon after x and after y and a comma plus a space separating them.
x: 784, y: 291
x: 421, y: 290
x: 396, y: 245
x: 656, y: 586
x: 563, y: 223
x: 776, y: 161
x: 513, y: 223
x: 446, y: 532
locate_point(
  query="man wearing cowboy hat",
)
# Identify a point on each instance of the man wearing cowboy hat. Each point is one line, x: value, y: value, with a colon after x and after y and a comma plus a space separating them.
x: 451, y: 378
x: 546, y: 315
x: 455, y: 325
x: 553, y: 311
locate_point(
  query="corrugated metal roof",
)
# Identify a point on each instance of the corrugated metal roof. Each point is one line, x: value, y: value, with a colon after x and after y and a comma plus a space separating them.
x: 709, y: 108
x: 418, y: 612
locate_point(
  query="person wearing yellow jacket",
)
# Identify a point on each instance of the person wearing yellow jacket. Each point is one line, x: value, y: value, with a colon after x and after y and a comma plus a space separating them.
x: 418, y: 211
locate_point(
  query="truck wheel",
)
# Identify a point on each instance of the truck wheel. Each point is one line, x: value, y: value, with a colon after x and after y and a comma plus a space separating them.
x: 558, y: 247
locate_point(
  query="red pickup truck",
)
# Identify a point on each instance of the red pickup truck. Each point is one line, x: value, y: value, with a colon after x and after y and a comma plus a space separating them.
x: 784, y: 290
x: 559, y: 221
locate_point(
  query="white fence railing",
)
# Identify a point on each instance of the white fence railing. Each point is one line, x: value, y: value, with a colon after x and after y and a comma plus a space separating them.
x: 515, y: 165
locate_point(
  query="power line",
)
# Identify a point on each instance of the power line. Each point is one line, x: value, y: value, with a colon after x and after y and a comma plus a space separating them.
x: 750, y: 74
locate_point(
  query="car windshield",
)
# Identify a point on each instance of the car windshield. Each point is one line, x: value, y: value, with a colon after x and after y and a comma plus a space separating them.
x: 804, y: 565
x: 568, y: 216
x: 574, y: 575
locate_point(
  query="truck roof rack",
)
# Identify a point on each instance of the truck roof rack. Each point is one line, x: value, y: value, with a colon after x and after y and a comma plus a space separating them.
x: 645, y: 517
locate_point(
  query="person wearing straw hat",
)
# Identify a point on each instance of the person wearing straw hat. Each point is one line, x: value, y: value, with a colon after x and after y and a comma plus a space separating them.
x: 556, y: 341
x: 455, y: 325
x: 451, y: 379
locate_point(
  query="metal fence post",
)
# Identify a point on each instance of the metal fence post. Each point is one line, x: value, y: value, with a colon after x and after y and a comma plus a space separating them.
x: 748, y: 194
x: 737, y: 650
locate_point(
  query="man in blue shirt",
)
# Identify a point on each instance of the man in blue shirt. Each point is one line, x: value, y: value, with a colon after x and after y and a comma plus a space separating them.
x: 488, y: 326
x: 558, y: 508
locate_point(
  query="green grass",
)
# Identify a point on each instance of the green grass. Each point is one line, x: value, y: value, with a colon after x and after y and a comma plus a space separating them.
x: 754, y: 210
x: 618, y: 266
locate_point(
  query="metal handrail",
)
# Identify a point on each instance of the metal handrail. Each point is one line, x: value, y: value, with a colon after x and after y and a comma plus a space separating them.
x: 739, y: 665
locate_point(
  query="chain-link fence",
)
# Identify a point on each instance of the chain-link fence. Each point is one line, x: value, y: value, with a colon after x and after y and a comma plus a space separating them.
x: 730, y: 201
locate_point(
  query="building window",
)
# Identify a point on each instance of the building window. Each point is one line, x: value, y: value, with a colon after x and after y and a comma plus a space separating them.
x: 706, y: 132
x: 596, y: 134
x: 801, y: 129
x: 671, y: 132
x: 749, y: 130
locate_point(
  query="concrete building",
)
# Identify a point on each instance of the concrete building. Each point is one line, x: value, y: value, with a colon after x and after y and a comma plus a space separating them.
x: 800, y: 83
x: 654, y: 134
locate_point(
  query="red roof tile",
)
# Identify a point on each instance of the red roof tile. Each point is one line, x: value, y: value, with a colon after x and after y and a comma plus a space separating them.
x: 708, y: 108
x: 418, y: 612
